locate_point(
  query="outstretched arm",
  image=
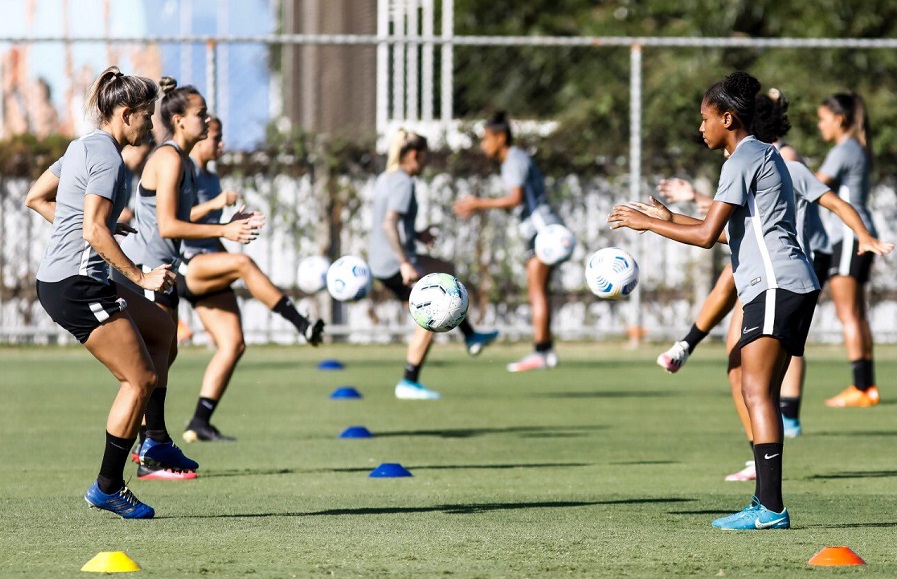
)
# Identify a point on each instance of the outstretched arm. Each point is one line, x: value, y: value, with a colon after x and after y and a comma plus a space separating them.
x: 468, y: 205
x: 689, y: 231
x: 852, y: 219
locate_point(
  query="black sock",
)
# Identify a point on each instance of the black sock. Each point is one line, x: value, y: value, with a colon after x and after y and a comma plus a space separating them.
x: 285, y: 308
x: 204, y: 409
x: 141, y: 436
x: 768, y: 459
x: 790, y: 407
x: 862, y: 374
x: 155, y: 416
x: 694, y: 337
x: 543, y: 347
x: 112, y: 468
x: 412, y: 372
x: 466, y: 329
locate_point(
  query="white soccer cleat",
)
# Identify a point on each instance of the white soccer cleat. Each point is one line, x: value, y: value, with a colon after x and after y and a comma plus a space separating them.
x: 535, y: 361
x: 674, y: 358
x: 408, y: 390
x: 748, y: 473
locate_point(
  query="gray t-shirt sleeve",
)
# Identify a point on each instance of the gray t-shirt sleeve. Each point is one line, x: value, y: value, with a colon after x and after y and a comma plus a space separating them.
x: 733, y: 187
x: 56, y: 168
x: 103, y: 174
x: 835, y: 163
x: 514, y: 171
x: 806, y: 185
x: 399, y: 199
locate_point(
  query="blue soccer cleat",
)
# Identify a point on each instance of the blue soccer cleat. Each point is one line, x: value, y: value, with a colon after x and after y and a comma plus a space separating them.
x: 754, y: 517
x: 791, y: 427
x: 165, y: 455
x: 123, y: 503
x: 479, y: 340
x: 408, y: 390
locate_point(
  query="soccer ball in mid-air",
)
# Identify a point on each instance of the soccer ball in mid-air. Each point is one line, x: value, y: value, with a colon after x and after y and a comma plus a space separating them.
x: 313, y: 273
x: 554, y: 244
x: 612, y: 273
x: 438, y: 302
x: 349, y: 279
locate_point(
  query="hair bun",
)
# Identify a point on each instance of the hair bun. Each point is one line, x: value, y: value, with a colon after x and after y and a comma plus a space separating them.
x: 499, y: 118
x: 167, y: 84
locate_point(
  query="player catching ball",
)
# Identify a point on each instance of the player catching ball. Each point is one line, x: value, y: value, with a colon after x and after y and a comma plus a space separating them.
x: 754, y: 210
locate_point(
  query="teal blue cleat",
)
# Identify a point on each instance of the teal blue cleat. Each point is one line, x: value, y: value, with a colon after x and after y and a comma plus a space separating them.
x: 791, y: 427
x: 408, y: 390
x: 123, y: 503
x: 754, y: 517
x: 479, y: 340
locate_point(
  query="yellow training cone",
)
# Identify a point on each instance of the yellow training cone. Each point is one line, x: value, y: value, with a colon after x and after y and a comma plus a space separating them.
x: 111, y: 562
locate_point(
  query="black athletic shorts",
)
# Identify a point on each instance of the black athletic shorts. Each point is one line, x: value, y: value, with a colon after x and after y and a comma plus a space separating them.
x: 168, y: 299
x: 781, y: 314
x: 79, y: 303
x: 856, y: 266
x: 530, y: 249
x: 184, y: 291
x: 395, y: 285
x: 822, y: 263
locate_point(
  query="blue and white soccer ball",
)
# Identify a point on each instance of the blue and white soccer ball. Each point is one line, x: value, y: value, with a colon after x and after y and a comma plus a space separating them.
x: 349, y: 279
x: 312, y: 276
x: 612, y: 273
x: 438, y: 302
x: 554, y: 244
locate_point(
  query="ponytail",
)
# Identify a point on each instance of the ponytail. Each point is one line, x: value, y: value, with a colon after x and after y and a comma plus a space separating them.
x: 113, y: 89
x: 402, y: 142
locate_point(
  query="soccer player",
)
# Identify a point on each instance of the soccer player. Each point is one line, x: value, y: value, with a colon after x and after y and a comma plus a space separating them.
x: 207, y: 287
x: 82, y: 195
x: 526, y: 190
x: 754, y: 211
x: 393, y: 256
x: 842, y: 119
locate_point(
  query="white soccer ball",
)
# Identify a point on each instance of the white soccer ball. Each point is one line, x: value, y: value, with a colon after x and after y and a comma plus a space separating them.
x: 438, y: 302
x: 612, y: 273
x: 349, y: 279
x: 313, y: 274
x: 554, y: 244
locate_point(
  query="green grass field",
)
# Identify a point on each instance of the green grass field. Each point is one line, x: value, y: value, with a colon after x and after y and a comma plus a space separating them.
x: 604, y: 466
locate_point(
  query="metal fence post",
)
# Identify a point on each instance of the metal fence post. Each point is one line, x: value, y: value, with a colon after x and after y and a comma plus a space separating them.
x: 635, y: 330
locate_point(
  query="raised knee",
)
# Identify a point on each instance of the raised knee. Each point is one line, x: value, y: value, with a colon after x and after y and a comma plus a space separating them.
x: 146, y: 382
x: 244, y: 262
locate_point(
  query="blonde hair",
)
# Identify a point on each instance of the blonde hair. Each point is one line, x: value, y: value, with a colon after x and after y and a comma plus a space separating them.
x: 113, y: 89
x: 402, y: 142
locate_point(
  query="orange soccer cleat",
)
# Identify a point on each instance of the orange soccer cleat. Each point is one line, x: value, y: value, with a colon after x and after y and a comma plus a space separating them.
x: 853, y: 397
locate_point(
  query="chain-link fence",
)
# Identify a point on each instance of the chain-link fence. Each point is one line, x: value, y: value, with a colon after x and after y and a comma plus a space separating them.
x: 602, y: 117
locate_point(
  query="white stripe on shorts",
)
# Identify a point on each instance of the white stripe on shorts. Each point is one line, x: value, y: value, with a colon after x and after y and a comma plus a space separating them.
x: 769, y: 314
x: 847, y: 237
x: 99, y: 313
x: 148, y: 294
x: 85, y: 256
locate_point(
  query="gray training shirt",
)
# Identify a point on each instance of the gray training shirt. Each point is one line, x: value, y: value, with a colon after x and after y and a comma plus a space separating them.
x: 765, y: 250
x: 807, y: 190
x: 91, y: 165
x: 393, y: 191
x: 147, y: 247
x: 848, y: 165
x: 519, y: 170
x: 208, y: 186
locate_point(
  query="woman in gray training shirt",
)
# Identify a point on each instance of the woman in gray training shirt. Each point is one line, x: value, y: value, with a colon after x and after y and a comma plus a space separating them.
x: 393, y: 256
x: 83, y: 198
x: 842, y: 119
x: 754, y: 211
x: 526, y: 191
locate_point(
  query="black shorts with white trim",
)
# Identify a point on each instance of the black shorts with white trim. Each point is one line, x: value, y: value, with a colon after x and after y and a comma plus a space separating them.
x: 781, y: 314
x: 80, y: 304
x: 856, y: 266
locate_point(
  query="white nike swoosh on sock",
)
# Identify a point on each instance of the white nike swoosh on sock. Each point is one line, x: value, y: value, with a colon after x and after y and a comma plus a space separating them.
x: 769, y: 456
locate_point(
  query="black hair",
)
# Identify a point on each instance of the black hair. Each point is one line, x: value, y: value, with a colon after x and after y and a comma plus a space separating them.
x: 771, y: 116
x: 852, y: 108
x: 113, y: 89
x: 175, y: 100
x: 736, y: 94
x: 500, y: 124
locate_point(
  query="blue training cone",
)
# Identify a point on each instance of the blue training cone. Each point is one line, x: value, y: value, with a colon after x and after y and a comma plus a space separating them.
x: 344, y: 393
x: 356, y: 432
x: 390, y: 470
x: 330, y: 365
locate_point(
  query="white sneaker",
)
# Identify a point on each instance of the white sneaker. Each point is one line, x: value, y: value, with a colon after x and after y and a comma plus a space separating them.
x: 408, y: 390
x: 674, y: 358
x: 749, y: 472
x: 535, y: 361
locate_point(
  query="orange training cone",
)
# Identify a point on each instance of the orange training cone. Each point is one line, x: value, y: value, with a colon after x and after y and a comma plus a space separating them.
x: 111, y: 562
x: 836, y: 557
